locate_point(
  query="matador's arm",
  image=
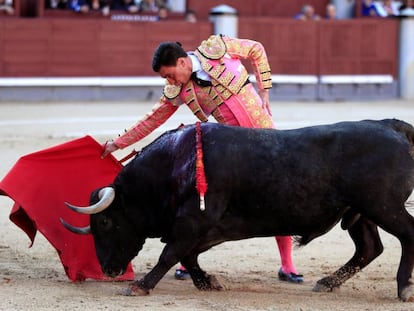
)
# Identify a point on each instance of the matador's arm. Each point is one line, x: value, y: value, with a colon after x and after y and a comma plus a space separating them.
x: 152, y: 120
x: 256, y: 54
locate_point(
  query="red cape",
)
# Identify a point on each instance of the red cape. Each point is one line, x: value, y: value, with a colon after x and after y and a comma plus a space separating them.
x: 39, y: 184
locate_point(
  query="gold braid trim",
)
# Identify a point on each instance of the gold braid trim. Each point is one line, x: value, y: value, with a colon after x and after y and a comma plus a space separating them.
x: 225, y: 93
x: 213, y: 48
x: 227, y: 79
x: 266, y: 78
x: 190, y: 99
x: 264, y: 67
x: 172, y: 91
x: 265, y: 75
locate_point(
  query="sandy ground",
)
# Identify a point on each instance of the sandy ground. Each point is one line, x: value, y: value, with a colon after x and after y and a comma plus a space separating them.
x: 33, y: 278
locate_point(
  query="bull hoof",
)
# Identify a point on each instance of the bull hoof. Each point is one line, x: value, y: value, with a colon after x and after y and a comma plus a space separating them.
x: 209, y: 283
x: 407, y: 294
x: 134, y: 290
x: 216, y: 284
x: 320, y: 287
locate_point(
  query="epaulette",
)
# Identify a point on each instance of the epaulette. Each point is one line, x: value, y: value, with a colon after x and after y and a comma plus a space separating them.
x: 213, y: 48
x: 172, y: 91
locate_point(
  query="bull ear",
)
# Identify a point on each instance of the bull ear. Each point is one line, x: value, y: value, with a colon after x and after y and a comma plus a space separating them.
x: 77, y: 230
x: 106, y: 197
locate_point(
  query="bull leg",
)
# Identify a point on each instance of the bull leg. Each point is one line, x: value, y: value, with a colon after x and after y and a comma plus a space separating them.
x: 405, y: 287
x: 182, y: 248
x: 368, y: 246
x: 189, y: 245
x: 201, y: 279
x: 150, y: 280
x: 403, y: 228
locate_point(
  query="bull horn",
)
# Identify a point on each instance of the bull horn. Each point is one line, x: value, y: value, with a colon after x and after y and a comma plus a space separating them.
x: 106, y: 196
x: 77, y: 230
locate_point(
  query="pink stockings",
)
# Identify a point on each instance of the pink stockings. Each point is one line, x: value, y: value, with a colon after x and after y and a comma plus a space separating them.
x: 285, y: 249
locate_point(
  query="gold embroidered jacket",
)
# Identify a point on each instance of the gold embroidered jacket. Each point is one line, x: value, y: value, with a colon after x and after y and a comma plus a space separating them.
x: 220, y: 57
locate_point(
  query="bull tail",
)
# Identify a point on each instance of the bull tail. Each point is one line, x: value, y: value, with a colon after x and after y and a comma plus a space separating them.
x: 402, y: 127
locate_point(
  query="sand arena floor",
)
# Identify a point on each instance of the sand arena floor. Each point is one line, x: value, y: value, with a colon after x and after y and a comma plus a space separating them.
x: 33, y: 278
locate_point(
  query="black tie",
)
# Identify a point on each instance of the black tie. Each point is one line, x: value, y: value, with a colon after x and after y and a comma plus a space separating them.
x: 198, y: 81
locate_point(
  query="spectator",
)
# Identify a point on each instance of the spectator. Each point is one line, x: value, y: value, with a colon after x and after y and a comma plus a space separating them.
x: 190, y: 16
x: 102, y: 5
x: 369, y: 9
x: 407, y: 8
x: 125, y: 5
x: 386, y: 8
x: 307, y: 13
x: 6, y: 6
x: 57, y: 4
x: 79, y: 6
x: 151, y: 5
x: 84, y: 6
x: 162, y: 13
x: 330, y: 11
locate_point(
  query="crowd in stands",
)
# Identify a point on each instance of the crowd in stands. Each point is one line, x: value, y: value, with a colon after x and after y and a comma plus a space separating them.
x: 370, y: 8
x: 130, y: 6
x: 150, y: 10
x: 6, y: 6
x: 160, y: 9
x: 308, y: 13
x: 387, y: 8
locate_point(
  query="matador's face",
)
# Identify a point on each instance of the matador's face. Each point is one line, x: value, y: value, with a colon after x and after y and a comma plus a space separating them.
x: 178, y: 74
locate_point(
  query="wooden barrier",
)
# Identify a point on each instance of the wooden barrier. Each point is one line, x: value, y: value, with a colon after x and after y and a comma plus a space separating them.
x: 98, y: 47
x: 351, y: 47
x: 87, y: 47
x: 101, y: 47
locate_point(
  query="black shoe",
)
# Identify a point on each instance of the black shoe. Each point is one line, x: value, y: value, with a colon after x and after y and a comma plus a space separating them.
x: 182, y: 274
x: 290, y: 277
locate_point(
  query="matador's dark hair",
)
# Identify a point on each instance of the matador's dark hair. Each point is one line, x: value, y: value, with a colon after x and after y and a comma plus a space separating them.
x: 167, y: 54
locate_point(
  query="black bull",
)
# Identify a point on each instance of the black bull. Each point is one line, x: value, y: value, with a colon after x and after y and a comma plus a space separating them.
x: 261, y: 182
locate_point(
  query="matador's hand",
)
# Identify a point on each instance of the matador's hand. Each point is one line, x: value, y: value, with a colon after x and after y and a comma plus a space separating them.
x: 264, y: 95
x: 108, y: 147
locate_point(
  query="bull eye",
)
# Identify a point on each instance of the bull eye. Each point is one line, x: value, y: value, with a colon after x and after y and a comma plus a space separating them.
x: 105, y: 224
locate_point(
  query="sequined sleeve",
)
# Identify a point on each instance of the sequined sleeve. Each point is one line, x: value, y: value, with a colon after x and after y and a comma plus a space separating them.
x: 256, y: 54
x: 152, y: 120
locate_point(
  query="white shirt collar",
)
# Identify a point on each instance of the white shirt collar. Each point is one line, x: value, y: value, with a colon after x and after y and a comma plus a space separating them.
x: 196, y: 63
x: 197, y: 68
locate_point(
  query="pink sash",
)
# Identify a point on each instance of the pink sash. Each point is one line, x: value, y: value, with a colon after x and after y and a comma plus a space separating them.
x: 246, y: 108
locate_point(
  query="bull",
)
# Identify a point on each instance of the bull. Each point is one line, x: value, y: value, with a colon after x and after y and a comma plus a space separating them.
x: 261, y: 182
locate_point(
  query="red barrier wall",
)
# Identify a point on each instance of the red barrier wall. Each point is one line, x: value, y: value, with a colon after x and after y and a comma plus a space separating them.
x: 354, y: 46
x: 87, y: 47
x: 101, y: 47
